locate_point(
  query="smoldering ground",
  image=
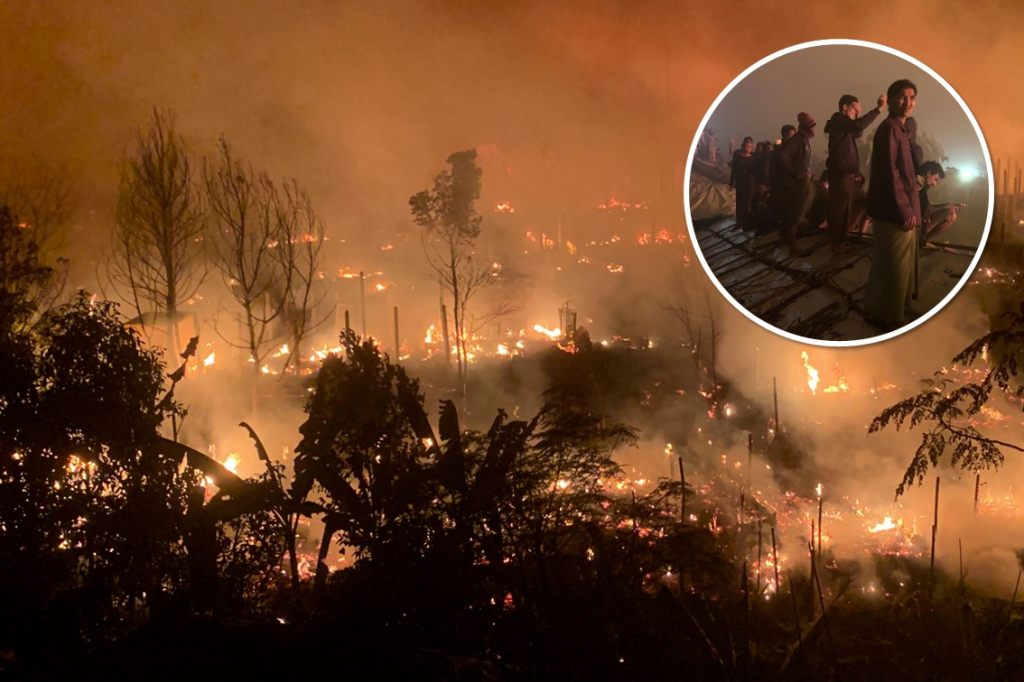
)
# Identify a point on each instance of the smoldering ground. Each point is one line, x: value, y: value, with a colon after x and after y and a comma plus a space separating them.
x: 573, y: 104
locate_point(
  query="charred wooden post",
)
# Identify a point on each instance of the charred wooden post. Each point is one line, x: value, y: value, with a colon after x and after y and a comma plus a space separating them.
x: 682, y: 492
x: 960, y: 549
x: 444, y: 335
x: 775, y: 561
x: 796, y: 611
x: 398, y: 344
x: 821, y: 501
x: 362, y: 299
x: 757, y: 589
x: 935, y: 530
x: 775, y: 396
x: 750, y: 457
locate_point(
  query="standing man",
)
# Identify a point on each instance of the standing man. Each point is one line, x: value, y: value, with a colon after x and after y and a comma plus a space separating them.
x: 795, y: 179
x: 742, y: 179
x: 895, y: 208
x: 843, y: 164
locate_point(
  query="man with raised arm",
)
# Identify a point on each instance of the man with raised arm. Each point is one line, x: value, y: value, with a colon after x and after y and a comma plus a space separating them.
x: 843, y: 164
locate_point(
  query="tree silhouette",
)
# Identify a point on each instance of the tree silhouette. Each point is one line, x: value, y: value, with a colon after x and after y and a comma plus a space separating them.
x: 451, y: 224
x: 158, y: 261
x: 949, y: 408
x: 91, y: 512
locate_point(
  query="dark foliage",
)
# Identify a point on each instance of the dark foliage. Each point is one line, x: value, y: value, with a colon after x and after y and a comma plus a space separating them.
x: 948, y: 408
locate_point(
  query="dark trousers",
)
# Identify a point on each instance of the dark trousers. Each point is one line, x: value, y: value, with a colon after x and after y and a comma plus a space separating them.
x: 791, y: 202
x: 744, y: 204
x: 841, y: 190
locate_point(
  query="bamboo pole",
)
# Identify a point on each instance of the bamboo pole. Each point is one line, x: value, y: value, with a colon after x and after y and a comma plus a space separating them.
x: 977, y: 490
x: 444, y: 335
x: 750, y: 456
x: 812, y: 547
x: 682, y: 492
x: 935, y: 530
x: 796, y: 611
x: 362, y: 299
x: 398, y: 345
x: 960, y: 549
x: 757, y: 589
x: 775, y: 396
x: 775, y: 560
x: 820, y: 505
x: 1013, y: 599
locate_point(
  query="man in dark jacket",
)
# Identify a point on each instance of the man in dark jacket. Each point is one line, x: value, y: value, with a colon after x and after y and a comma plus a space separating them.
x: 895, y: 209
x: 843, y: 163
x: 742, y: 179
x: 794, y: 182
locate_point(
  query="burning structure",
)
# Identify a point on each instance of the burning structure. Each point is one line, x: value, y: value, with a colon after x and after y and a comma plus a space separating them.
x: 613, y: 488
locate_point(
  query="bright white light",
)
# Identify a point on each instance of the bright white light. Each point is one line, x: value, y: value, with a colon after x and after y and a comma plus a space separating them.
x: 969, y: 173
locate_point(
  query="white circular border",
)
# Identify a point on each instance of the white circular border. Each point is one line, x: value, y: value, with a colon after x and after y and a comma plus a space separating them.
x: 871, y: 339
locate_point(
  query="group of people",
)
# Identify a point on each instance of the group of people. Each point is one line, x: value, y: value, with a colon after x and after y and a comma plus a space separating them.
x: 774, y: 186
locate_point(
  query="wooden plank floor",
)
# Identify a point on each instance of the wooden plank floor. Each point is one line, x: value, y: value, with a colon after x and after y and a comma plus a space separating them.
x: 817, y: 296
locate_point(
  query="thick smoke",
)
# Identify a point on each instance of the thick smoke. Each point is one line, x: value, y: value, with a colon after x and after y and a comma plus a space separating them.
x: 569, y: 105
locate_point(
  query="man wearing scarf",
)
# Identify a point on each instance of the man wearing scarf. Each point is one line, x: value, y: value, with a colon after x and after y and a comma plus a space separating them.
x: 895, y: 209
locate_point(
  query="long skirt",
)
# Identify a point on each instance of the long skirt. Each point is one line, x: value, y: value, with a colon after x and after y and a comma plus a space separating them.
x: 893, y: 269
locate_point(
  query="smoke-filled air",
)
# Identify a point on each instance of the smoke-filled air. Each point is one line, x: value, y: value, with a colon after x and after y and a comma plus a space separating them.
x: 376, y: 329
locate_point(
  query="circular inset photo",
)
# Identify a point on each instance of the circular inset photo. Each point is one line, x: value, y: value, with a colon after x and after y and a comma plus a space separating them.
x: 839, y: 192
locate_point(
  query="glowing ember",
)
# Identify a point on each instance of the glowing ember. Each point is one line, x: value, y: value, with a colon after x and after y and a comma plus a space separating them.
x: 615, y: 204
x: 553, y: 334
x: 839, y: 387
x: 886, y: 524
x: 231, y: 463
x: 209, y: 360
x: 504, y: 207
x: 813, y: 377
x: 615, y: 268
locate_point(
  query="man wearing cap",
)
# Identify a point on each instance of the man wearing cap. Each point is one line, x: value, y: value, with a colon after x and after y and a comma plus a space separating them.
x: 843, y: 163
x: 935, y: 218
x: 895, y: 209
x: 795, y: 179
